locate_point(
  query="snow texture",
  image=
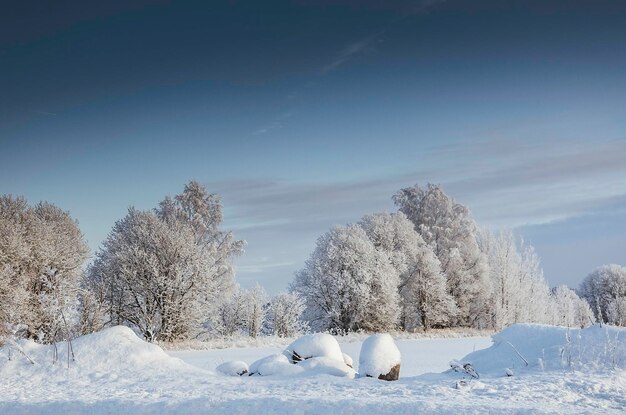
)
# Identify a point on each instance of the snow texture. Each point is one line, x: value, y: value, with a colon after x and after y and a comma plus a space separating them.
x: 326, y: 366
x: 233, y: 368
x: 536, y: 347
x: 314, y: 345
x: 116, y: 372
x: 379, y: 354
x: 348, y: 360
x: 276, y: 364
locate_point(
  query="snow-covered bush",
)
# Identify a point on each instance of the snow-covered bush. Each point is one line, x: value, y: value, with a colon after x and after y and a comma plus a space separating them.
x: 230, y: 317
x: 379, y: 358
x: 243, y: 313
x: 284, y: 316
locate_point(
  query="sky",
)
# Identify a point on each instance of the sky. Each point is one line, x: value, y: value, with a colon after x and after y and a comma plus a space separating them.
x: 311, y: 113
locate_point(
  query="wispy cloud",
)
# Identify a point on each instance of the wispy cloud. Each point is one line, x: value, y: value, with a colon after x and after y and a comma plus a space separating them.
x: 276, y: 124
x: 46, y: 113
x: 513, y: 185
x: 352, y: 50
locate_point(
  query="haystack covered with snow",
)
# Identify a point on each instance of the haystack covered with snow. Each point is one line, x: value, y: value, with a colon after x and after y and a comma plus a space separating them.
x: 380, y: 358
x: 314, y: 345
x: 532, y: 347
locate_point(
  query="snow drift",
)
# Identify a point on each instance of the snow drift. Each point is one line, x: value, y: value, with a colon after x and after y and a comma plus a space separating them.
x: 111, y: 351
x: 532, y: 347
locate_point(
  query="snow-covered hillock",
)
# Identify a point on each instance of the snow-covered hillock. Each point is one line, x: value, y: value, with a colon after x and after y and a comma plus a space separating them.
x: 113, y: 350
x: 536, y: 347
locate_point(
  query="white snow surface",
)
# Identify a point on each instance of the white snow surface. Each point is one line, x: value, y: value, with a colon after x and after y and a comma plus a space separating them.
x: 537, y: 347
x: 348, y: 360
x: 233, y: 368
x: 116, y: 372
x: 378, y: 355
x: 326, y: 366
x: 276, y: 364
x: 315, y: 345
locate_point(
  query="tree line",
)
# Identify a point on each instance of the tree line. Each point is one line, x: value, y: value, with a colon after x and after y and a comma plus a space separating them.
x: 428, y: 265
x: 168, y: 273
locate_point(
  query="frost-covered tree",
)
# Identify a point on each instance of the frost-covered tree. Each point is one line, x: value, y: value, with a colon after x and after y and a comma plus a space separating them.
x: 616, y: 311
x: 534, y: 296
x: 347, y: 284
x: 244, y: 312
x: 605, y: 290
x: 569, y: 309
x: 425, y: 301
x: 166, y: 271
x: 232, y: 314
x: 41, y: 254
x: 504, y: 269
x: 520, y: 293
x: 284, y: 317
x: 256, y: 310
x: 449, y: 229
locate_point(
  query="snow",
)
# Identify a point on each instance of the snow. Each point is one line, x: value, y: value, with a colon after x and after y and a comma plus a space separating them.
x: 348, y: 360
x: 276, y: 364
x: 233, y: 368
x: 326, y: 366
x: 116, y: 372
x: 535, y: 347
x: 314, y: 345
x: 378, y: 355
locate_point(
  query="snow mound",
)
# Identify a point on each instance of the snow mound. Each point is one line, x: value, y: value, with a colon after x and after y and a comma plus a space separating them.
x: 326, y: 366
x: 111, y: 354
x: 233, y: 368
x: 348, y: 360
x: 112, y: 348
x: 314, y: 345
x: 276, y: 364
x: 531, y: 347
x: 379, y: 354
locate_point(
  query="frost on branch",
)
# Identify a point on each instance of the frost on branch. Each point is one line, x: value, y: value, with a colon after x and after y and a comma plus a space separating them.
x: 166, y: 271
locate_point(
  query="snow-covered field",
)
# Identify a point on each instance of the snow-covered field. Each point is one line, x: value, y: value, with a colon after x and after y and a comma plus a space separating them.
x: 568, y: 371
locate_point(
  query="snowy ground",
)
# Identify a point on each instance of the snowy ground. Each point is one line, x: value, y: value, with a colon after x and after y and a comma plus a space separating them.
x: 116, y: 372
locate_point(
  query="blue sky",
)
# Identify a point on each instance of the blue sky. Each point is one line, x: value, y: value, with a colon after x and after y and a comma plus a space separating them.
x: 305, y: 114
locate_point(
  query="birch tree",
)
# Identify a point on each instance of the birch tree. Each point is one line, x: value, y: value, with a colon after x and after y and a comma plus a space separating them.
x: 347, y: 284
x: 425, y: 301
x: 449, y: 229
x: 166, y: 271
